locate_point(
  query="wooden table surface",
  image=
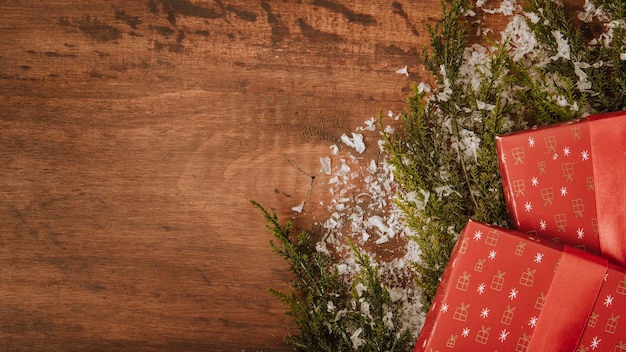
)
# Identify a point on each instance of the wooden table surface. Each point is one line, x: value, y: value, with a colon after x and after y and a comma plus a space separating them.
x: 133, y: 135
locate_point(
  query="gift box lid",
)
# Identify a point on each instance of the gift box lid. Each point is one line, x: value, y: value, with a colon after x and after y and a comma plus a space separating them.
x: 564, y: 182
x: 508, y: 291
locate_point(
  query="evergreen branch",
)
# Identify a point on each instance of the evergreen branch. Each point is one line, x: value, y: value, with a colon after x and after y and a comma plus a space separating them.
x: 318, y: 299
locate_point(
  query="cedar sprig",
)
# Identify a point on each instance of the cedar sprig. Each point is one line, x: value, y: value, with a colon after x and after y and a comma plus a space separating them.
x: 600, y: 60
x: 328, y: 309
x: 441, y: 187
x: 443, y: 183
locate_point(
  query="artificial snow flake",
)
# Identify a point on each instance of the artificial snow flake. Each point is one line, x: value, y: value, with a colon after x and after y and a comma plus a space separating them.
x: 533, y: 17
x: 543, y: 225
x: 484, y: 313
x: 538, y: 258
x: 447, y: 91
x: 534, y: 181
x: 608, y: 300
x: 533, y: 322
x: 355, y: 142
x: 403, y: 71
x: 370, y: 125
x: 583, y: 83
x: 326, y: 168
x: 581, y: 233
x: 520, y: 39
x: 563, y: 191
x: 444, y: 307
x: 584, y: 155
x: 298, y: 208
x: 561, y: 101
x: 531, y: 142
x: 360, y: 288
x: 484, y: 106
x: 503, y: 335
x: 528, y: 206
x: 481, y: 288
x: 513, y: 294
x: 465, y: 332
x: 423, y: 87
x: 469, y: 144
x: 356, y: 340
x: 590, y: 11
x: 477, y: 235
x: 595, y: 343
x: 566, y: 151
x: 492, y: 254
x: 334, y: 149
x: 563, y: 49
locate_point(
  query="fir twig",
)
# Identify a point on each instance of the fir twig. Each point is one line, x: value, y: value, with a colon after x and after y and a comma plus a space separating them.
x: 331, y: 313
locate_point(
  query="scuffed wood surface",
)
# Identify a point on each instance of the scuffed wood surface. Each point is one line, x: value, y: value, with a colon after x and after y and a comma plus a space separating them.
x: 134, y: 133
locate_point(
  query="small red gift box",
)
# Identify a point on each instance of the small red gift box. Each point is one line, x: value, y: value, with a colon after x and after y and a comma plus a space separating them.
x: 566, y: 182
x: 507, y: 291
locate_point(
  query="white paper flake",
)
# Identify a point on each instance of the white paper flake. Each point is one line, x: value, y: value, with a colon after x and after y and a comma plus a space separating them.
x: 355, y: 142
x: 403, y: 71
x: 298, y: 208
x: 325, y: 161
x: 356, y: 340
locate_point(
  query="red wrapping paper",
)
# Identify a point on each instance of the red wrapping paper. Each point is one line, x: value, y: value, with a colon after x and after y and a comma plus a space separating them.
x: 566, y: 182
x: 504, y: 290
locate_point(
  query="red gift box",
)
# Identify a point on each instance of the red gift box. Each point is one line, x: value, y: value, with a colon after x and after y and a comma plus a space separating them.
x: 565, y: 182
x: 504, y: 290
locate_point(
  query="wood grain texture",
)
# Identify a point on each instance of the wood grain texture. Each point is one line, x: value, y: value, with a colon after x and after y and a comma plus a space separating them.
x: 134, y: 133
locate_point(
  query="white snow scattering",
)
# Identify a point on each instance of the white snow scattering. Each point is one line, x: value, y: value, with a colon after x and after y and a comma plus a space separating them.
x: 507, y: 8
x: 362, y: 208
x: 521, y: 41
x: 477, y: 59
x: 355, y: 142
x: 469, y: 144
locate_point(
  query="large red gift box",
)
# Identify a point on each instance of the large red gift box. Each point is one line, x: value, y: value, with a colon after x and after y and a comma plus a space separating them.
x: 566, y: 182
x: 504, y: 290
